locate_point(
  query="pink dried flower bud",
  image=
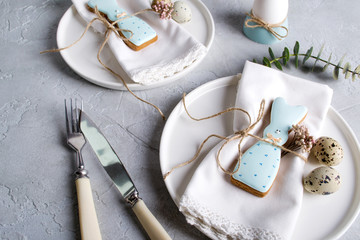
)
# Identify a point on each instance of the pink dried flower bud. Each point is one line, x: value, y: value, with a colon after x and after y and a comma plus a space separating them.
x: 163, y: 9
x: 301, y: 138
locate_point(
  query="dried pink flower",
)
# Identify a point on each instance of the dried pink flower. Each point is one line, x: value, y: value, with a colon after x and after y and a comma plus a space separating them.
x: 164, y: 9
x: 301, y: 139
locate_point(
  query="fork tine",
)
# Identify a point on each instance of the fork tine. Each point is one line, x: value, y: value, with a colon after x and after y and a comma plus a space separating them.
x: 79, y: 111
x: 77, y: 121
x: 75, y: 114
x: 73, y: 121
x: 67, y: 119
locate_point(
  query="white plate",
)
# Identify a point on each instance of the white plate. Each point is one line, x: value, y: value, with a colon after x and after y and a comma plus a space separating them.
x: 82, y: 57
x: 321, y: 217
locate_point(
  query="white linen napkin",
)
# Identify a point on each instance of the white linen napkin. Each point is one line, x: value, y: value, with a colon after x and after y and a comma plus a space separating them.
x: 224, y: 211
x: 174, y: 50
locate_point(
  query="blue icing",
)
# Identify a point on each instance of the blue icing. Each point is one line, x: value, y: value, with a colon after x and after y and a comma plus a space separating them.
x: 141, y: 30
x: 262, y: 158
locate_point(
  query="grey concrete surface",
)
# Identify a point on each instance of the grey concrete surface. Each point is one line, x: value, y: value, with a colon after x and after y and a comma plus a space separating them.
x: 37, y: 191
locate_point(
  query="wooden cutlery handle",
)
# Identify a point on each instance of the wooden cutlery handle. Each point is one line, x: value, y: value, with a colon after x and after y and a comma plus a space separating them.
x: 89, y: 225
x: 149, y: 222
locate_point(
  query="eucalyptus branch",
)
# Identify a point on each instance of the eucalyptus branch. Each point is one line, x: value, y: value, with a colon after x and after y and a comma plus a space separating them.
x: 285, y: 57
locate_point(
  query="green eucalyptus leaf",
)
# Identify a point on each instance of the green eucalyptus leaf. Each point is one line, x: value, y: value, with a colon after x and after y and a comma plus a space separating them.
x: 347, y: 74
x: 337, y: 69
x: 346, y: 70
x: 318, y: 57
x: 327, y: 63
x: 296, y: 61
x: 356, y: 72
x: 336, y: 73
x: 341, y: 61
x: 284, y: 58
x: 287, y: 54
x: 307, y: 55
x: 254, y: 60
x: 271, y: 53
x: 278, y: 65
x: 296, y: 48
x: 266, y: 62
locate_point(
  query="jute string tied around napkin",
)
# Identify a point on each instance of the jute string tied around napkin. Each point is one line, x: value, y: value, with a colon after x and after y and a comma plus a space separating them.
x: 269, y: 27
x: 242, y: 134
x: 110, y: 27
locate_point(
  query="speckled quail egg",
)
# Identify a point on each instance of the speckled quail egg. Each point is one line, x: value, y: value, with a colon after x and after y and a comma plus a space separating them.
x: 182, y: 12
x: 328, y: 151
x: 323, y: 180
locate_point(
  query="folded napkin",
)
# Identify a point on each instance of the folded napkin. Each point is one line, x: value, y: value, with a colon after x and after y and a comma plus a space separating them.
x: 224, y: 211
x: 174, y: 50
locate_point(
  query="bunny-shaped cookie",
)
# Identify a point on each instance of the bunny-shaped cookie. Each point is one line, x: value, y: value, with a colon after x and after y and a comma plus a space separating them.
x: 259, y: 165
x: 143, y: 34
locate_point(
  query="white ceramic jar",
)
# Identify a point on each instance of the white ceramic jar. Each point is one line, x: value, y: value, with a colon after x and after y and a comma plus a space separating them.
x: 271, y: 11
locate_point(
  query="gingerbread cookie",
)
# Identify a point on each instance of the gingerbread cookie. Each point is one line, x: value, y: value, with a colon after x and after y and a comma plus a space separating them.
x: 259, y: 165
x: 143, y: 34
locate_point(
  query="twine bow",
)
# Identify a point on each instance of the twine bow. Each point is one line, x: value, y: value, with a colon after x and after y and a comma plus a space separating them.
x: 258, y: 22
x: 111, y: 28
x: 241, y: 135
x: 272, y: 138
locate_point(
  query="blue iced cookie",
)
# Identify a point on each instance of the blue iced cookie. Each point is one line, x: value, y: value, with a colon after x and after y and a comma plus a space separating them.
x: 259, y: 165
x: 143, y: 34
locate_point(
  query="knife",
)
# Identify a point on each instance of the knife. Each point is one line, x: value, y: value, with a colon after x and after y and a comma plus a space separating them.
x: 117, y: 172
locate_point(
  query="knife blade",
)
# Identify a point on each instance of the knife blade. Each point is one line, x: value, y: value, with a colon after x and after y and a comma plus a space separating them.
x: 117, y: 172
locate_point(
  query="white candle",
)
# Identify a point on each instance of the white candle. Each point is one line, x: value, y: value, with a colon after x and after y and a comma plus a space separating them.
x: 271, y: 11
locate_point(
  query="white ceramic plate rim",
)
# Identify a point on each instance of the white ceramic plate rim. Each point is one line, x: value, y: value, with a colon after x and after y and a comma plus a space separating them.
x: 336, y: 117
x: 117, y: 85
x: 353, y: 210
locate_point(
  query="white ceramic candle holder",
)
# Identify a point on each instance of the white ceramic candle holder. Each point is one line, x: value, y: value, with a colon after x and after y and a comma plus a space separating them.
x: 271, y: 14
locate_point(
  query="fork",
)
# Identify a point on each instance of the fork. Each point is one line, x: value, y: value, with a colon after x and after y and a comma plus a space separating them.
x: 89, y: 226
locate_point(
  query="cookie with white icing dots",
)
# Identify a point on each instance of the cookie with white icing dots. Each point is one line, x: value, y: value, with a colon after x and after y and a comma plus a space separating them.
x: 143, y: 34
x: 259, y: 165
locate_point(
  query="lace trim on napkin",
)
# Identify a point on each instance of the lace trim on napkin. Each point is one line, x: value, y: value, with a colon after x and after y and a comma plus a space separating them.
x: 159, y: 72
x: 218, y: 227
